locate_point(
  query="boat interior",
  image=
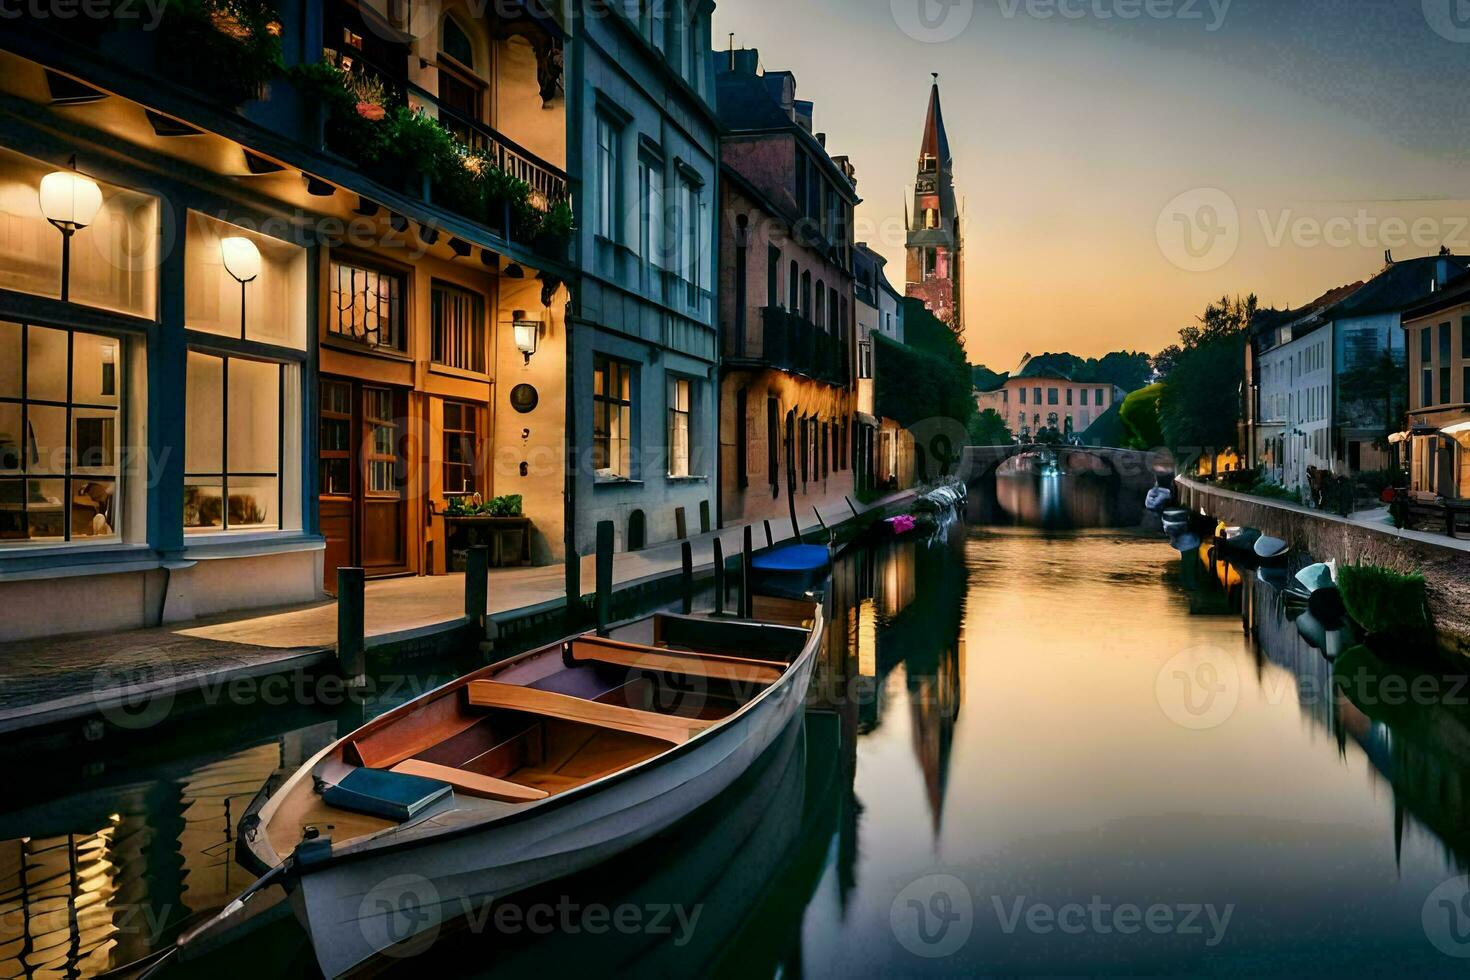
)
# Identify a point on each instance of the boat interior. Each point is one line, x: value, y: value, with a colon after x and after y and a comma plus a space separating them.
x: 551, y: 720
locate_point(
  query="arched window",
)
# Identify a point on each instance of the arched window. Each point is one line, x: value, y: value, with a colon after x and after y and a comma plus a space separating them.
x: 461, y: 91
x: 454, y: 42
x: 793, y: 287
x: 806, y: 295
x: 820, y: 318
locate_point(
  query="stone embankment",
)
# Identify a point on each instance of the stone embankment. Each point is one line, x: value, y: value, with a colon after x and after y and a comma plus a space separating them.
x: 1443, y: 561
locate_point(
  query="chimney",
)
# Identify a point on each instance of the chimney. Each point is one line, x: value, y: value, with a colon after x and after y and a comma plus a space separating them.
x: 822, y: 138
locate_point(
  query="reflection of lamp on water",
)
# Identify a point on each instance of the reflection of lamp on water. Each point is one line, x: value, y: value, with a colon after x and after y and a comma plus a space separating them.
x: 242, y: 262
x: 527, y: 333
x: 70, y: 202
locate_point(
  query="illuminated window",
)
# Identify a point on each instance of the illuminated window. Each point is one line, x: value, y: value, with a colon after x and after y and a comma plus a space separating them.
x: 114, y: 260
x: 679, y: 417
x: 59, y: 417
x: 232, y: 452
x: 457, y: 332
x: 461, y: 448
x: 612, y: 418
x: 367, y: 306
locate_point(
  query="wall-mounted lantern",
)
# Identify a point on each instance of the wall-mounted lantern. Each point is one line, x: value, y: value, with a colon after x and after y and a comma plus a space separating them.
x: 527, y: 333
x: 70, y: 202
x: 242, y: 262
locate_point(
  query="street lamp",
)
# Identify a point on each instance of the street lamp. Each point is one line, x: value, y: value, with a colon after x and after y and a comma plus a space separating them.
x: 242, y: 262
x: 527, y: 333
x: 70, y: 202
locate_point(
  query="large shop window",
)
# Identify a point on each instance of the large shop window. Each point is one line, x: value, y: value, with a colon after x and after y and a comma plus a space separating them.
x: 367, y: 306
x: 274, y: 298
x: 60, y: 405
x: 461, y: 448
x: 612, y: 418
x: 233, y: 455
x: 114, y: 259
x: 458, y: 332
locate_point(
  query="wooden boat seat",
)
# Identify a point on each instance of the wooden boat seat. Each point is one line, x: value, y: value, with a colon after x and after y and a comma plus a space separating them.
x: 472, y: 782
x: 749, y: 640
x: 549, y: 704
x: 614, y: 653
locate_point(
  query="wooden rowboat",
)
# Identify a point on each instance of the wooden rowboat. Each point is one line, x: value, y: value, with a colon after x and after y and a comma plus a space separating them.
x: 556, y: 760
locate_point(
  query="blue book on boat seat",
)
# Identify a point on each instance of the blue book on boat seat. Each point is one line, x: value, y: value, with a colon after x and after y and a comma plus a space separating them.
x: 381, y: 793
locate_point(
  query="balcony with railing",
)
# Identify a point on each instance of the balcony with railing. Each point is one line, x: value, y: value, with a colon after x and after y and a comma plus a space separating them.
x: 788, y: 342
x: 367, y: 97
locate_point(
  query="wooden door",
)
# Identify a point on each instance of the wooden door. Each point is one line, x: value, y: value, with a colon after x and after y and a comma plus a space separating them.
x: 361, y: 502
x: 384, y: 549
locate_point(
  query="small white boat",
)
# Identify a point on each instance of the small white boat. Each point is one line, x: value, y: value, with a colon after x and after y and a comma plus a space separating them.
x: 550, y: 762
x: 1270, y: 549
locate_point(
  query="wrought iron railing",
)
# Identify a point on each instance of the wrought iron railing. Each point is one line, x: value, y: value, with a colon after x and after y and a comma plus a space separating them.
x: 548, y: 183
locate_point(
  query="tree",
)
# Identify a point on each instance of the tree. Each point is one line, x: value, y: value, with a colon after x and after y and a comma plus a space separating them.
x: 989, y: 429
x: 1129, y: 370
x: 1139, y: 415
x: 1199, y: 406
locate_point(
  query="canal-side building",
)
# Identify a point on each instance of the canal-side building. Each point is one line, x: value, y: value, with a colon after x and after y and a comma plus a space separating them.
x: 1033, y: 402
x: 237, y: 304
x: 936, y: 242
x: 883, y: 449
x: 786, y: 300
x: 1437, y: 439
x: 641, y: 376
x: 1328, y: 381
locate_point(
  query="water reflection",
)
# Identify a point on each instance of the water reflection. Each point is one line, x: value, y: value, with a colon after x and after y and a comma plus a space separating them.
x: 987, y: 708
x: 1032, y: 492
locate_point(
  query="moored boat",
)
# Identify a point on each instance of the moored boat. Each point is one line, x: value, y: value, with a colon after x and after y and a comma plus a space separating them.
x: 1271, y: 549
x: 525, y: 771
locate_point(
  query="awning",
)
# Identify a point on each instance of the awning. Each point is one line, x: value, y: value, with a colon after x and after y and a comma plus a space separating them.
x: 1395, y: 438
x: 1459, y: 428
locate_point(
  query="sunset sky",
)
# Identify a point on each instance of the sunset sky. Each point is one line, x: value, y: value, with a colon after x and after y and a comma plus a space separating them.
x: 1314, y: 133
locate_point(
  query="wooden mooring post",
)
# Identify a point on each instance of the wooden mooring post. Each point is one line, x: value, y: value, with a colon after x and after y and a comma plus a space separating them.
x: 719, y: 577
x: 605, y: 533
x: 477, y: 587
x: 352, y: 626
x: 747, y: 601
x: 686, y: 580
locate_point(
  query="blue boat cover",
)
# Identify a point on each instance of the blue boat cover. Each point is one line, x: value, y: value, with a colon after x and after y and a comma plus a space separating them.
x: 793, y: 558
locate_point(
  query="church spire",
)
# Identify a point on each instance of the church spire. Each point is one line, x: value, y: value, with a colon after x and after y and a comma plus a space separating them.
x: 936, y: 140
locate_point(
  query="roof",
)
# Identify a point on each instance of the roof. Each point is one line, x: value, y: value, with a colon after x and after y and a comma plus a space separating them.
x: 1397, y: 287
x: 936, y: 139
x: 1455, y: 293
x: 1271, y: 319
x: 747, y: 102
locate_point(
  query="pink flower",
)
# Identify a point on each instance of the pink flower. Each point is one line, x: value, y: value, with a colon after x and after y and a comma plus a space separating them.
x: 371, y: 111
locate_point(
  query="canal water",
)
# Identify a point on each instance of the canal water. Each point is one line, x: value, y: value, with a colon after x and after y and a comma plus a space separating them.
x: 1029, y: 750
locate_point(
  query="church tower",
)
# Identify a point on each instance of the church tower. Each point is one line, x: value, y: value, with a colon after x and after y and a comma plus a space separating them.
x: 935, y: 243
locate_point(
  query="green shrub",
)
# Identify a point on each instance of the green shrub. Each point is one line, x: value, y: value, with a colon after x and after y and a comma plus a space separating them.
x: 1385, y: 602
x: 1140, y: 417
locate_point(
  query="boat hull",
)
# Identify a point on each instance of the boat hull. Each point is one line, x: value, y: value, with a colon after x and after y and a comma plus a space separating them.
x: 393, y: 902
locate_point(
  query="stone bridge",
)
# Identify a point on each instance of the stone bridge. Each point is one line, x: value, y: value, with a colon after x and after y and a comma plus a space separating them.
x: 1134, y: 471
